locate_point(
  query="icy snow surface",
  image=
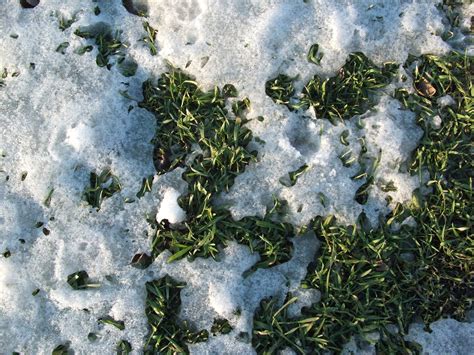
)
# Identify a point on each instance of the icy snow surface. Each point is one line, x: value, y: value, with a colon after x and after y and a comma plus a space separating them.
x: 63, y: 117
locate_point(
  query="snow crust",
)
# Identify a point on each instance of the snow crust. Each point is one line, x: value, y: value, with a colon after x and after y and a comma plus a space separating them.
x: 63, y: 117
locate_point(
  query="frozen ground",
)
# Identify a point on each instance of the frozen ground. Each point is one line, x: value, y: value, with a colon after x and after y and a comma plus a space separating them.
x: 61, y: 117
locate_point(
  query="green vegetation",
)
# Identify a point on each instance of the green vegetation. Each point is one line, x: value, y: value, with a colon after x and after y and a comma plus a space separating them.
x: 281, y: 90
x: 189, y: 118
x: 101, y: 187
x: 371, y: 279
x: 80, y: 281
x: 168, y: 335
x: 62, y: 349
x: 314, y: 55
x: 350, y: 92
x: 124, y: 347
x: 221, y: 326
x: 120, y: 325
x: 109, y: 44
x: 150, y: 37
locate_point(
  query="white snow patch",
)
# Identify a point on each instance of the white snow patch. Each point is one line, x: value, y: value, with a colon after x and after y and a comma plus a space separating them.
x: 169, y: 208
x: 446, y: 336
x: 389, y: 133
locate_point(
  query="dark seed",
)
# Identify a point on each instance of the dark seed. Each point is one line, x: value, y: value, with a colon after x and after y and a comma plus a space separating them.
x: 141, y: 261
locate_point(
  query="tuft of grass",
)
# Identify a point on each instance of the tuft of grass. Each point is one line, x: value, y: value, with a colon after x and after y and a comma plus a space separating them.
x: 349, y: 93
x: 373, y: 279
x: 102, y: 186
x: 273, y: 330
x: 109, y: 45
x: 187, y: 117
x: 80, y: 281
x: 281, y: 90
x: 120, y: 325
x: 150, y: 38
x: 314, y: 55
x: 221, y: 326
x: 124, y: 347
x: 64, y: 22
x: 62, y: 349
x: 168, y: 335
x: 293, y: 176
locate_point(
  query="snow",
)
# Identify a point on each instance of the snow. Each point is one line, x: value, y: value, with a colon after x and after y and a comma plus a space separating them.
x: 446, y: 336
x: 387, y: 129
x: 63, y: 117
x: 169, y: 208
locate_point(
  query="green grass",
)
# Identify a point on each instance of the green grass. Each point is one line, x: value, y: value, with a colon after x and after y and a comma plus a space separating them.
x: 369, y: 278
x: 281, y: 90
x: 188, y: 117
x: 109, y: 45
x: 150, y: 38
x: 102, y: 186
x: 372, y: 278
x: 168, y: 335
x: 350, y: 92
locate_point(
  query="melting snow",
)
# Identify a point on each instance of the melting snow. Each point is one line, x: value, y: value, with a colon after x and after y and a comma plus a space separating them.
x: 63, y: 117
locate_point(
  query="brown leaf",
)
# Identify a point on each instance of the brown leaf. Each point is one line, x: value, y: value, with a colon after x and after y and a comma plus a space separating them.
x: 424, y: 88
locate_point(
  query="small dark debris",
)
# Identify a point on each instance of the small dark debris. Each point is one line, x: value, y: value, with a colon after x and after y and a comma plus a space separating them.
x: 141, y: 261
x: 29, y: 4
x: 161, y: 159
x: 136, y: 7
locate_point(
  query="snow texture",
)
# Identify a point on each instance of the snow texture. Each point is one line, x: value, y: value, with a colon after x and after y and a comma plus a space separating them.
x: 62, y: 117
x: 446, y: 336
x: 169, y: 208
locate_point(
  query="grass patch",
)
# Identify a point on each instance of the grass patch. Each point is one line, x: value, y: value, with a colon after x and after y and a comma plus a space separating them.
x: 188, y: 118
x: 124, y: 347
x: 150, y: 38
x: 109, y: 45
x: 102, y: 186
x: 281, y: 90
x: 371, y: 279
x: 168, y: 335
x: 221, y: 326
x: 350, y: 92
